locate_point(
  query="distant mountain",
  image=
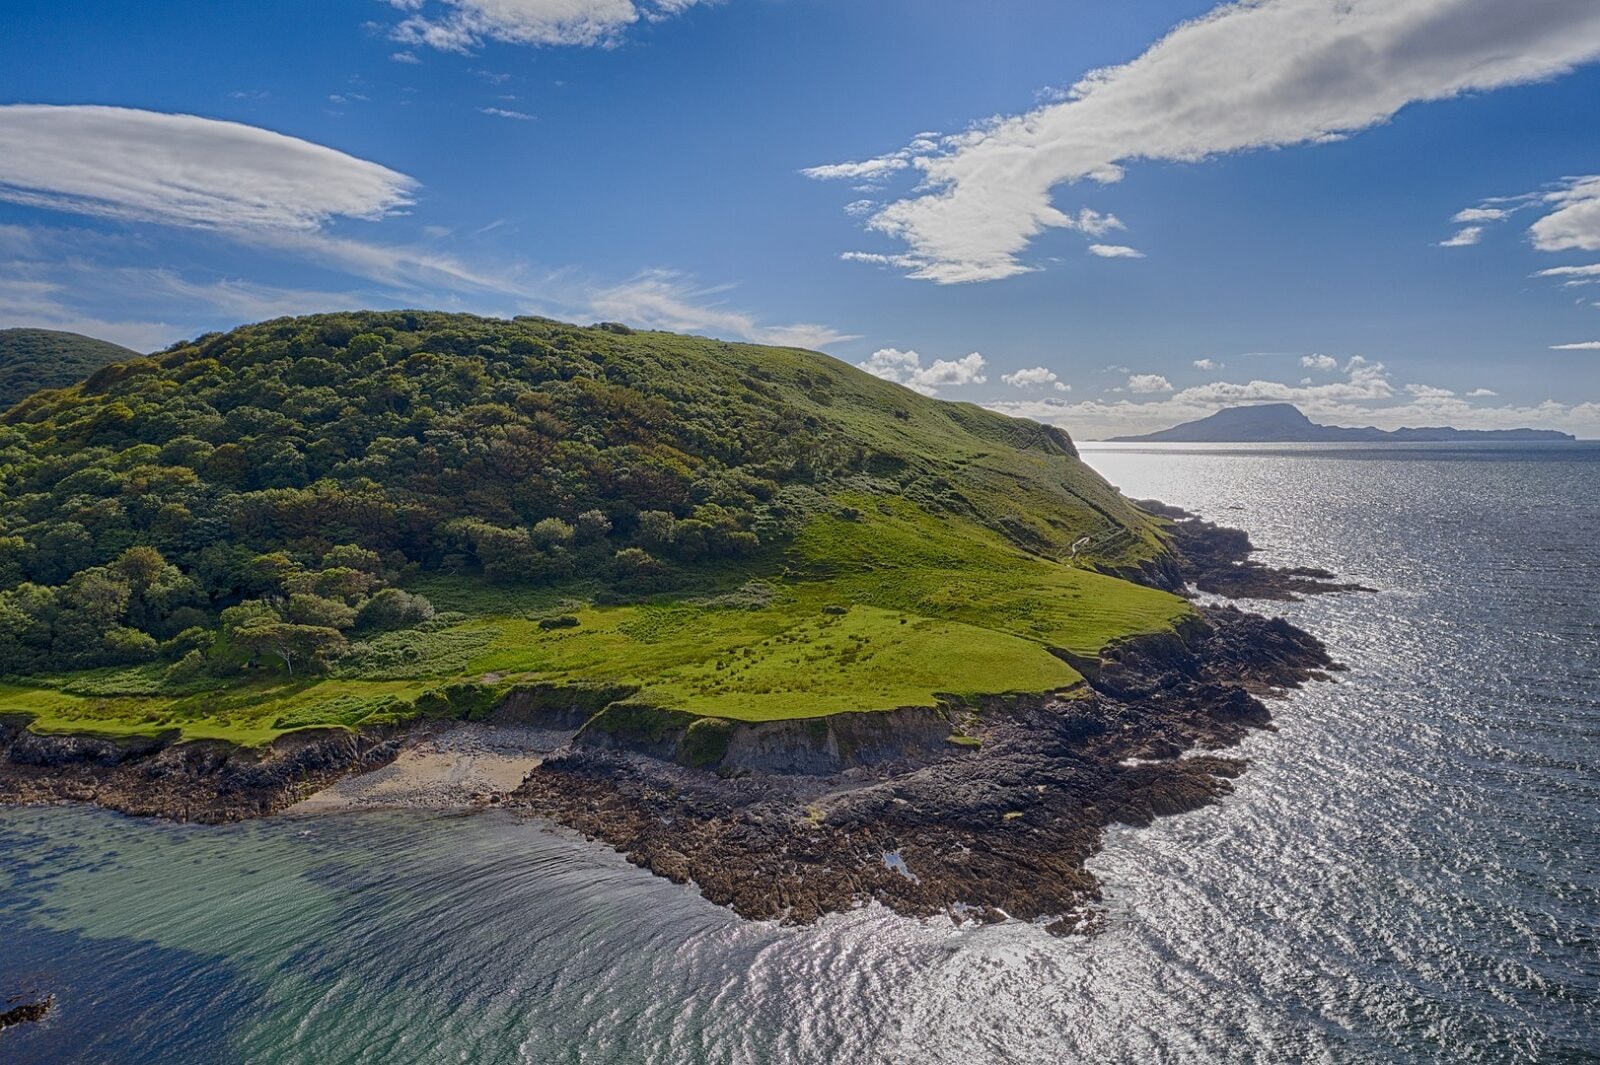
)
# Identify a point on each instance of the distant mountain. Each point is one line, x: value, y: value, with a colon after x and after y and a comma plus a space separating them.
x: 34, y: 359
x: 1280, y: 423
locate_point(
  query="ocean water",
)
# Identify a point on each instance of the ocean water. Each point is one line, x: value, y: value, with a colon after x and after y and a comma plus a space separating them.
x: 1409, y: 872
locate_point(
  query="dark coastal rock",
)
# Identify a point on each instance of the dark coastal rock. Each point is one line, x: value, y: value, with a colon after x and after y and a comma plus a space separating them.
x: 202, y: 780
x: 1216, y: 559
x: 25, y: 1013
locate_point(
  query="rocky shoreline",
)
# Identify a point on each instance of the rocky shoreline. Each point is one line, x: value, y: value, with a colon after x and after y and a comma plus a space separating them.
x: 986, y: 811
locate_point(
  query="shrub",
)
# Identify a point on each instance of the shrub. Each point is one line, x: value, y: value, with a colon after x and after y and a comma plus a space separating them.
x: 392, y: 608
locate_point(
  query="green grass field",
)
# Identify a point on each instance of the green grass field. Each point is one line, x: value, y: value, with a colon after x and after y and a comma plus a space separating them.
x: 876, y: 606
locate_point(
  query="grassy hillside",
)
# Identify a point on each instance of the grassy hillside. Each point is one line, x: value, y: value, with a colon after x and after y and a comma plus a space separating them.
x: 352, y: 518
x: 32, y: 359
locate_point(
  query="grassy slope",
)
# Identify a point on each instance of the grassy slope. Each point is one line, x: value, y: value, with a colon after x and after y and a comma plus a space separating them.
x: 945, y: 571
x: 33, y: 359
x: 930, y: 607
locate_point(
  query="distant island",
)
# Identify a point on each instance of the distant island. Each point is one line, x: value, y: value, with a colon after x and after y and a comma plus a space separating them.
x: 1281, y: 423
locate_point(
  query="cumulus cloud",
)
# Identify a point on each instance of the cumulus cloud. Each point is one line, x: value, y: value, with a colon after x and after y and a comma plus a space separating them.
x: 1480, y: 393
x: 1574, y: 222
x: 905, y: 368
x: 1582, y: 345
x: 183, y: 170
x: 1319, y: 362
x: 1148, y: 382
x: 1207, y: 364
x: 1035, y: 377
x: 664, y: 299
x: 1115, y: 251
x: 462, y: 25
x: 1251, y: 74
x: 1429, y: 391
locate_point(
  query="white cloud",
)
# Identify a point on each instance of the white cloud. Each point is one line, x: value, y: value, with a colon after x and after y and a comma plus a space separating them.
x: 1464, y: 237
x: 501, y: 112
x: 905, y: 368
x: 1148, y: 382
x: 1479, y: 393
x: 1574, y: 224
x: 1589, y: 270
x: 866, y: 170
x: 1208, y: 364
x: 1585, y: 345
x: 1251, y: 74
x: 1429, y: 391
x: 663, y: 299
x: 182, y: 170
x: 1035, y: 377
x: 1319, y: 362
x: 405, y: 57
x: 1115, y: 251
x: 1480, y: 214
x: 462, y: 25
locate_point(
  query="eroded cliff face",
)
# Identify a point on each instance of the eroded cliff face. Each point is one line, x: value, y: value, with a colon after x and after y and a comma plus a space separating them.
x: 207, y: 781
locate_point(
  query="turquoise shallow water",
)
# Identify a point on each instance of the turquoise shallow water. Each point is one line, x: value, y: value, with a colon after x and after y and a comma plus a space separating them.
x: 1409, y: 872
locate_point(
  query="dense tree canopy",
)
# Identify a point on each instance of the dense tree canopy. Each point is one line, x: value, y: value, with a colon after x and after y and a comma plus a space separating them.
x: 297, y: 470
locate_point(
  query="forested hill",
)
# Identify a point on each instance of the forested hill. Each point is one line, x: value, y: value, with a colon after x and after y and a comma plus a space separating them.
x: 32, y: 359
x: 293, y: 473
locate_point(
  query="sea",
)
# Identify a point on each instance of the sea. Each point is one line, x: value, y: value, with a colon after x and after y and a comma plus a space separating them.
x: 1408, y: 872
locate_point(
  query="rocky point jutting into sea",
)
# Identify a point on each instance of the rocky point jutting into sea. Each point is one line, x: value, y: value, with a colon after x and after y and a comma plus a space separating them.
x: 794, y: 819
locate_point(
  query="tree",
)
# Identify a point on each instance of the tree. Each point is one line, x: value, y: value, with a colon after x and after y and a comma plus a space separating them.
x: 305, y: 609
x: 393, y: 608
x: 311, y: 646
x: 592, y: 526
x: 553, y: 532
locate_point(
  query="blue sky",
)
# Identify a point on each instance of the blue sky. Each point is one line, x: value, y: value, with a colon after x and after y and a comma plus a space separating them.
x: 1247, y: 203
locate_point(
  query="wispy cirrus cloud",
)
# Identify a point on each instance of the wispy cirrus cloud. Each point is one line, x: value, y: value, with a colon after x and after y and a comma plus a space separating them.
x: 183, y: 170
x: 463, y: 25
x: 281, y: 196
x: 666, y: 299
x: 1251, y: 74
